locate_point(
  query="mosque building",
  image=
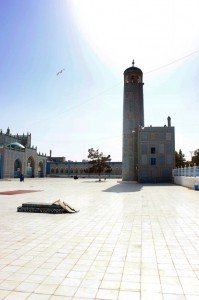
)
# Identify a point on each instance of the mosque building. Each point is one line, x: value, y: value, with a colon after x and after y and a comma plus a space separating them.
x: 17, y: 156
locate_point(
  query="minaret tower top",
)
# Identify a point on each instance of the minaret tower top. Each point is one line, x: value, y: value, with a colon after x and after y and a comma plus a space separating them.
x: 133, y: 74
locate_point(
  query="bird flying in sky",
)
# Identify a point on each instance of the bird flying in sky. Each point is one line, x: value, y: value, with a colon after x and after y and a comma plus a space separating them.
x: 60, y: 72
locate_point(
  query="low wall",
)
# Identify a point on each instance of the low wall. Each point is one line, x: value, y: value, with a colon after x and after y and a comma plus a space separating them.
x: 186, y: 181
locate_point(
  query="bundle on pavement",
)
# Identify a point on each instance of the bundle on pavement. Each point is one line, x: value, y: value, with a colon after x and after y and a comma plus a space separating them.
x: 57, y: 207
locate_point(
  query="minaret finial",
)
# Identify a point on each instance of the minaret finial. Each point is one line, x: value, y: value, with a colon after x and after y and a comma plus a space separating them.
x: 133, y: 63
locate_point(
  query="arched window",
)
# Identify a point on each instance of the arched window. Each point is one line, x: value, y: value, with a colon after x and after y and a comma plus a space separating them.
x: 62, y: 171
x: 57, y: 170
x: 40, y: 169
x: 66, y: 171
x: 40, y: 166
x: 52, y: 171
x: 17, y: 168
x: 135, y: 79
x: 30, y: 167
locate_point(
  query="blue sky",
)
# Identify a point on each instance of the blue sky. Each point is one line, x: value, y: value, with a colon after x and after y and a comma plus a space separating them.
x: 95, y: 41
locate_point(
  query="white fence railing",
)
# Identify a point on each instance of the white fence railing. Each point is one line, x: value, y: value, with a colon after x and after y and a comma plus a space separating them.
x: 186, y: 171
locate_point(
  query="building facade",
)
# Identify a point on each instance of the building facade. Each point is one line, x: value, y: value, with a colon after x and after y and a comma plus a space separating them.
x: 17, y: 157
x: 156, y: 157
x: 148, y: 152
x: 55, y: 168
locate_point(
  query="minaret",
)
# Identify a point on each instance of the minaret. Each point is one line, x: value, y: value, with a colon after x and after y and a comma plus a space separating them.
x: 133, y: 118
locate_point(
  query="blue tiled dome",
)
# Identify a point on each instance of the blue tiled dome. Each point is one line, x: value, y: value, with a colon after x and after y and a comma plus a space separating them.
x: 15, y: 145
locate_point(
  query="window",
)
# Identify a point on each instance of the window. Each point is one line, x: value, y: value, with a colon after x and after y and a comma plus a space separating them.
x: 135, y: 79
x: 152, y: 150
x: 153, y: 161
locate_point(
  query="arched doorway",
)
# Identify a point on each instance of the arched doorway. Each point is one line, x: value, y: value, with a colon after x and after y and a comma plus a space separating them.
x: 17, y: 168
x: 30, y: 167
x: 40, y: 169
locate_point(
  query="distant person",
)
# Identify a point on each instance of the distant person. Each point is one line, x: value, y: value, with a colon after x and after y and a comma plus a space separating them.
x: 21, y: 177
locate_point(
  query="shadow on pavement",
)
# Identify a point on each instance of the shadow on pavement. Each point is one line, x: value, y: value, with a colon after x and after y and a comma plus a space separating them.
x: 124, y: 188
x: 133, y: 187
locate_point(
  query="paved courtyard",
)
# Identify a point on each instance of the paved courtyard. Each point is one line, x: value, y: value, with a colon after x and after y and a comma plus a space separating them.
x: 128, y: 241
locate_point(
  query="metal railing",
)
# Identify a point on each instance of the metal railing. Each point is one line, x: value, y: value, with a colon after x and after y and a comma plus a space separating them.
x: 186, y: 171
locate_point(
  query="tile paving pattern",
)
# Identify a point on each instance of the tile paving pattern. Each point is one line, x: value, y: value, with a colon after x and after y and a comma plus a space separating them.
x: 129, y: 241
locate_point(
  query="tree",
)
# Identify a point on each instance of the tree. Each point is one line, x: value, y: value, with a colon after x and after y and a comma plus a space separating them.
x: 195, y: 157
x: 179, y: 159
x: 99, y: 162
x: 189, y: 163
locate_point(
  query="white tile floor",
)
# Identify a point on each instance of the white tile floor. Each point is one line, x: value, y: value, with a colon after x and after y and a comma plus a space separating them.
x: 128, y: 241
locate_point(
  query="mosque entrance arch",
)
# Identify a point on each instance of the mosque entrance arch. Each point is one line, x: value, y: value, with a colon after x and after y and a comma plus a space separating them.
x: 17, y: 168
x: 30, y: 167
x: 40, y: 169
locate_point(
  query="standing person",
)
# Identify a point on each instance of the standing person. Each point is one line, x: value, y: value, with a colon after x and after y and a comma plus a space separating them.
x: 21, y: 177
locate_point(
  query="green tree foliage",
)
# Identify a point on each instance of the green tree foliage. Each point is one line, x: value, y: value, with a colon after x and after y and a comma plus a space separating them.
x: 195, y: 157
x: 99, y: 162
x: 179, y: 159
x: 189, y: 163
